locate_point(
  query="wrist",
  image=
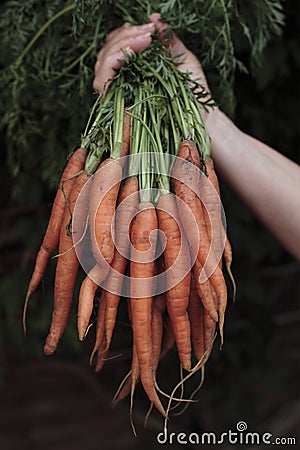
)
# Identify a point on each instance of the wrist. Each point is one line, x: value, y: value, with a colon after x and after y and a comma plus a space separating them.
x: 220, y: 129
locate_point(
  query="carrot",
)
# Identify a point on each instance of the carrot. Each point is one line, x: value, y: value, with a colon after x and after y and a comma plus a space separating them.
x: 196, y: 315
x: 68, y: 263
x: 159, y: 305
x: 210, y: 194
x: 129, y: 383
x: 209, y: 333
x: 103, y: 198
x: 211, y: 200
x: 168, y: 337
x: 102, y: 353
x: 205, y: 291
x: 185, y: 178
x: 177, y: 261
x: 126, y: 138
x: 227, y: 250
x: 100, y: 344
x: 128, y: 201
x: 124, y: 389
x: 186, y: 183
x: 133, y: 379
x: 51, y: 238
x: 134, y: 371
x: 227, y: 255
x: 144, y: 227
x: 86, y: 298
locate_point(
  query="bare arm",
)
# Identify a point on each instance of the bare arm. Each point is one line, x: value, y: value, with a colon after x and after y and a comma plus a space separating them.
x: 267, y: 182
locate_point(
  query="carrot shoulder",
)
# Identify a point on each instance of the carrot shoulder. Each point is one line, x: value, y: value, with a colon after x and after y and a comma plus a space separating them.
x: 103, y: 199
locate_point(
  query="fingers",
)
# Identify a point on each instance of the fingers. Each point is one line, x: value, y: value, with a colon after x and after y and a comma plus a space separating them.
x: 188, y: 61
x: 129, y: 30
x: 128, y: 38
x: 162, y: 28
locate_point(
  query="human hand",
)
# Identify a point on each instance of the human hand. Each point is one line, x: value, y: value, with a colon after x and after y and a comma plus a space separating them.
x: 131, y: 39
x: 128, y: 38
x: 188, y: 61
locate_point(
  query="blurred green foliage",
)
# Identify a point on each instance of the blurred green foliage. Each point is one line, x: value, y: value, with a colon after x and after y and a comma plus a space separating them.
x: 48, y: 51
x: 258, y: 369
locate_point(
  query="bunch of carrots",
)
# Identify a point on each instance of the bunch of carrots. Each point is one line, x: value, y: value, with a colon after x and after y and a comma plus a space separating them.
x: 142, y: 194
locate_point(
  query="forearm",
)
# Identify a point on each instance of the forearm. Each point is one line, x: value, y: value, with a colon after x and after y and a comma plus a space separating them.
x: 266, y: 181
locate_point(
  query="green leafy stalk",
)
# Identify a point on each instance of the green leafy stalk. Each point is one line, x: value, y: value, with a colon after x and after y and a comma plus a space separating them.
x: 118, y: 121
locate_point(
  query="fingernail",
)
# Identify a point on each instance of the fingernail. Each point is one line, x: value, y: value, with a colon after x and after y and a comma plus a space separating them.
x: 149, y: 25
x: 141, y: 36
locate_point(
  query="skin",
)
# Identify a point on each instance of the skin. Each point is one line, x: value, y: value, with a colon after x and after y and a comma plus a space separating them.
x: 267, y: 181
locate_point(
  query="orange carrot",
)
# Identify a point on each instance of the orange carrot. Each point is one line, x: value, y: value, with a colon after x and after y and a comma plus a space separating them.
x: 205, y: 291
x: 168, y: 337
x: 129, y: 384
x: 186, y: 182
x: 135, y: 370
x: 86, y: 298
x: 68, y: 263
x: 184, y: 189
x: 103, y: 199
x: 51, y: 238
x: 209, y: 334
x: 196, y: 315
x: 100, y: 344
x: 128, y: 201
x: 135, y: 367
x: 177, y: 261
x: 227, y: 253
x: 210, y: 194
x: 102, y: 353
x: 159, y: 305
x: 144, y: 227
x: 131, y: 379
x: 126, y: 138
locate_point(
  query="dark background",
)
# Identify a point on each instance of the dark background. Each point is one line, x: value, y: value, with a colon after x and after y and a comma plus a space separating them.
x: 59, y: 402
